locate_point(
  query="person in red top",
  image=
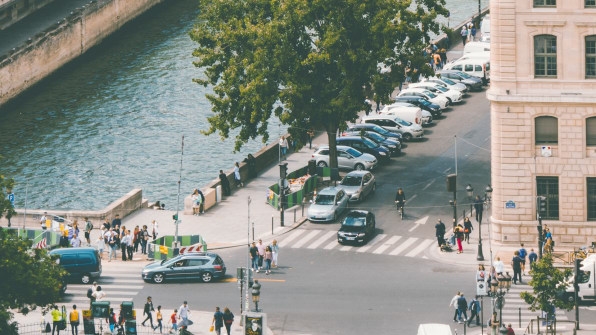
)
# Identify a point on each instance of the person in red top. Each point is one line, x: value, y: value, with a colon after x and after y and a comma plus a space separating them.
x: 173, y: 319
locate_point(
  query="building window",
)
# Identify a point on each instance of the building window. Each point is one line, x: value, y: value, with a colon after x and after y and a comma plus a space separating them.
x: 591, y: 131
x: 549, y: 187
x: 591, y: 190
x: 590, y: 3
x: 547, y: 130
x: 545, y: 3
x: 591, y: 56
x: 545, y: 56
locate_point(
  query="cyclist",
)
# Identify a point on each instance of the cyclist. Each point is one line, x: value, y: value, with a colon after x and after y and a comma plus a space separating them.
x: 400, y: 200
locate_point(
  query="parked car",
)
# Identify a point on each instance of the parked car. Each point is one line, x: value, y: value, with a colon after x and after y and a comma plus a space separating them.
x: 473, y: 47
x: 476, y: 67
x: 347, y: 158
x: 82, y: 264
x: 411, y: 114
x: 407, y: 129
x: 421, y: 102
x: 328, y: 205
x: 442, y: 101
x: 426, y: 117
x: 473, y: 83
x: 358, y: 185
x: 204, y: 266
x: 376, y: 129
x: 357, y: 227
x: 452, y: 95
x: 392, y: 144
x: 454, y: 85
x: 365, y: 145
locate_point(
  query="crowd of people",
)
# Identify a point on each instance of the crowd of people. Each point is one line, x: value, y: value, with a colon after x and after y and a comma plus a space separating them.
x: 264, y: 257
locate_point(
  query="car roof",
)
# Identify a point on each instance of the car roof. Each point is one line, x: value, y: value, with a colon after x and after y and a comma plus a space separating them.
x: 342, y: 147
x: 63, y: 251
x: 353, y: 137
x: 357, y: 173
x: 331, y: 190
x: 357, y: 213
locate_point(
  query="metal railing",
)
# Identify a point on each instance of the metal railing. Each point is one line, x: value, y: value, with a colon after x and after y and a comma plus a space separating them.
x: 541, y: 325
x: 39, y: 328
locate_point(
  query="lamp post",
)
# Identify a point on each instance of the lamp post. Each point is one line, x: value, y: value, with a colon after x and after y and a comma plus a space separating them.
x: 470, y: 193
x: 256, y: 294
x: 499, y: 287
x: 488, y: 191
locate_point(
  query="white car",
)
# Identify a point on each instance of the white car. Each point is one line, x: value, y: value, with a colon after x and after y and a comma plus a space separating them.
x: 453, y: 95
x: 449, y: 84
x: 442, y: 101
x: 427, y: 117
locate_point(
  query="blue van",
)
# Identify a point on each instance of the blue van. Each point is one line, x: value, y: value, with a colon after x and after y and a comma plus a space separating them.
x: 82, y: 264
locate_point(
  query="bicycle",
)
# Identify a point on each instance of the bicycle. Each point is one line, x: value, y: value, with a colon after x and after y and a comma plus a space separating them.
x: 580, y: 253
x: 400, y: 208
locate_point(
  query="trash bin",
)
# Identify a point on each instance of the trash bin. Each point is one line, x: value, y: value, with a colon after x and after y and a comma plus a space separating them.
x: 130, y: 327
x: 312, y: 167
x: 252, y: 166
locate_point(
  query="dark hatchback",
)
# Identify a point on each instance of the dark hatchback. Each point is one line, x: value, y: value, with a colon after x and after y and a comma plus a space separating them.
x: 365, y: 145
x: 204, y: 266
x: 375, y: 128
x: 357, y: 227
x: 424, y: 104
x: 392, y: 144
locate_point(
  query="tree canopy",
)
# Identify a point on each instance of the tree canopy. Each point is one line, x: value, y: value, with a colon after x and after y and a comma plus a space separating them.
x: 548, y: 283
x: 311, y: 63
x: 30, y: 278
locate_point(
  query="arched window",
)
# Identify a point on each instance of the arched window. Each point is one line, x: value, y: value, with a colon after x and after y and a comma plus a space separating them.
x: 546, y: 130
x: 545, y: 56
x: 591, y: 56
x: 591, y: 131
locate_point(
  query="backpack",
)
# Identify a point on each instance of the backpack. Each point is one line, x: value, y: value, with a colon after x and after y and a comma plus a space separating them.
x: 90, y: 293
x: 522, y: 253
x: 89, y: 226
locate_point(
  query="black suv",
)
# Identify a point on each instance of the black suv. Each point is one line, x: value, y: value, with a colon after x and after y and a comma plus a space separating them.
x: 205, y: 266
x: 365, y: 145
x: 424, y: 104
x: 357, y: 227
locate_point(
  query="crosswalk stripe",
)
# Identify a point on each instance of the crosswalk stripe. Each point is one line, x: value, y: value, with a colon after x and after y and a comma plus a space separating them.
x: 372, y: 243
x: 109, y: 293
x: 331, y: 245
x: 403, y: 246
x: 419, y: 248
x: 346, y: 248
x: 321, y: 239
x: 295, y: 234
x: 306, y: 238
x: 387, y: 244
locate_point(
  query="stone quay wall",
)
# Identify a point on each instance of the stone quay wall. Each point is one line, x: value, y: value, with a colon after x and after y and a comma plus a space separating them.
x: 69, y: 38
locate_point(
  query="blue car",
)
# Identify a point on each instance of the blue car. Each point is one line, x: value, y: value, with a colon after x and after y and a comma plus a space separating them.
x: 365, y: 145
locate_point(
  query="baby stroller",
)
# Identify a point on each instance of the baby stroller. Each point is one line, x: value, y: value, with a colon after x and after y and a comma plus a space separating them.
x: 447, y: 245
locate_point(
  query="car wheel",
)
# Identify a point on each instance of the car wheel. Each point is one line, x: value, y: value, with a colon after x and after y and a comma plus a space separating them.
x: 359, y: 167
x: 158, y: 278
x: 206, y: 277
x: 407, y: 136
x: 86, y: 278
x: 322, y: 164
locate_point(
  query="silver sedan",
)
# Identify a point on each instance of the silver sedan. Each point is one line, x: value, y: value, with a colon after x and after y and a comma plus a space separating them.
x: 358, y: 184
x: 328, y: 205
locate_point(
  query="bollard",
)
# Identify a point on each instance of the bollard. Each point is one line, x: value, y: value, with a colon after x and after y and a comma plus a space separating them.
x: 519, y: 317
x: 272, y: 219
x: 302, y: 207
x: 294, y: 215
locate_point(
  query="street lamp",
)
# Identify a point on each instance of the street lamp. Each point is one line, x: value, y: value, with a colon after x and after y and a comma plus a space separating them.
x: 256, y: 293
x: 499, y: 287
x: 470, y: 192
x: 488, y: 191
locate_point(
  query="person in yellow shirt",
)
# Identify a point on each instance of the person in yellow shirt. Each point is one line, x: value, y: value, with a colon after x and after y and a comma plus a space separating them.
x: 159, y: 318
x: 74, y: 320
x: 56, y: 319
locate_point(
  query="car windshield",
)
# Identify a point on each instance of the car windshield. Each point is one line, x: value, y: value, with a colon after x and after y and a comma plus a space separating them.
x: 324, y: 199
x: 354, y: 221
x: 448, y: 81
x: 375, y: 136
x: 369, y: 143
x: 354, y: 152
x: 351, y: 181
x: 423, y: 102
x: 430, y: 94
x: 441, y: 88
x: 380, y: 130
x: 403, y: 122
x: 464, y: 75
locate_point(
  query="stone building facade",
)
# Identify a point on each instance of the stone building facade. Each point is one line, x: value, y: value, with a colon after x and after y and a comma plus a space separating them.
x: 543, y: 119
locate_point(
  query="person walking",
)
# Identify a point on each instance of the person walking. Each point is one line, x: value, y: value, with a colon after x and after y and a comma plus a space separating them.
x: 274, y: 253
x: 478, y: 208
x: 56, y: 319
x: 144, y: 239
x: 268, y: 258
x: 516, y: 265
x: 464, y: 35
x: 90, y: 292
x: 474, y: 308
x: 494, y: 324
x: 88, y: 229
x: 453, y: 304
x: 74, y: 318
x: 283, y: 146
x: 218, y: 321
x: 228, y: 318
x: 459, y: 235
x: 261, y: 251
x: 522, y: 254
x: 147, y: 309
x: 112, y: 245
x: 467, y: 229
x: 499, y: 266
x: 510, y: 330
x: 184, y: 313
x: 42, y: 221
x: 124, y: 244
x: 136, y: 239
x: 99, y: 294
x: 462, y: 306
x: 310, y: 134
x: 159, y: 318
x: 129, y: 245
x: 253, y: 251
x: 116, y: 222
x: 154, y: 229
x: 237, y: 178
x: 532, y: 257
x: 440, y: 232
x: 225, y: 183
x: 174, y: 321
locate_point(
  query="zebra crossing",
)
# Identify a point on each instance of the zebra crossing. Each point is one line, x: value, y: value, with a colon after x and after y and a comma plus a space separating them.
x: 121, y: 281
x: 393, y: 245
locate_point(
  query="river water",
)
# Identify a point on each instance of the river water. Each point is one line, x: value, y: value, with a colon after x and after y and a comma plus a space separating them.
x: 113, y: 120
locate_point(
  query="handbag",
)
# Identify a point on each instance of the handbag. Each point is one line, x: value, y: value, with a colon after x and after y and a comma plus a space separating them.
x: 212, y: 328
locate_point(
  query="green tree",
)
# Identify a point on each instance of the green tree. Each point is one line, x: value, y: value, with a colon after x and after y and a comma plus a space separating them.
x: 311, y: 63
x: 548, y: 283
x: 30, y: 278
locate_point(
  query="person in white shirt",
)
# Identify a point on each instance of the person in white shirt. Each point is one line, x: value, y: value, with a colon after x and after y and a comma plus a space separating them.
x: 75, y: 242
x: 183, y: 313
x: 99, y: 295
x: 499, y: 266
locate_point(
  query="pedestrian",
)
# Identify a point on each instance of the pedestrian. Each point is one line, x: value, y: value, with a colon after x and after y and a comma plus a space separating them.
x: 154, y: 229
x: 136, y: 238
x: 106, y: 224
x: 124, y: 245
x: 283, y: 147
x: 462, y: 306
x: 75, y: 242
x: 144, y: 239
x: 310, y: 134
x: 268, y: 258
x: 494, y: 324
x: 99, y: 294
x: 228, y: 317
x: 253, y: 251
x: 196, y: 202
x: 474, y: 311
x: 112, y: 320
x: 464, y: 34
x: 218, y: 321
x: 147, y: 309
x: 516, y: 265
x: 56, y: 319
x: 101, y: 244
x: 453, y: 304
x: 237, y: 178
x: 184, y: 313
x: 510, y: 330
x: 459, y: 235
x: 74, y: 230
x: 532, y: 257
x: 74, y: 320
x: 88, y: 229
x: 225, y: 183
x: 64, y: 242
x: 159, y: 318
x: 440, y: 232
x: 522, y: 254
x: 274, y: 253
x: 261, y: 251
x: 470, y: 26
x: 116, y: 222
x: 467, y: 229
x: 174, y: 321
x: 112, y: 244
x: 499, y: 266
x: 478, y: 207
x: 202, y: 204
x: 473, y: 33
x: 437, y: 61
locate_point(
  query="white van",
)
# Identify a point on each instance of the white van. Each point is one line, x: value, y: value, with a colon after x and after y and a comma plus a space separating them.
x: 480, y: 54
x: 476, y: 67
x: 485, y: 29
x: 434, y: 329
x: 411, y: 114
x: 476, y: 47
